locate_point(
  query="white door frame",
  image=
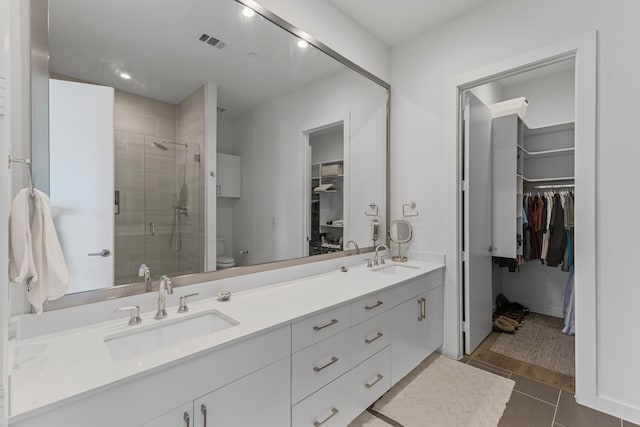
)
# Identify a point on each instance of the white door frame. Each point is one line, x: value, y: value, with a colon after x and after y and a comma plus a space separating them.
x: 583, y: 49
x: 306, y: 130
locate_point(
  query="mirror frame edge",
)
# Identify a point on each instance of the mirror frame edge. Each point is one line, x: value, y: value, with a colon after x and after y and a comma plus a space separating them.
x: 39, y: 60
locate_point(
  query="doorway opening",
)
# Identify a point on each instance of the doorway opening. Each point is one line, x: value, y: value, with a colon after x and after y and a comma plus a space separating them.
x: 517, y: 192
x: 326, y: 187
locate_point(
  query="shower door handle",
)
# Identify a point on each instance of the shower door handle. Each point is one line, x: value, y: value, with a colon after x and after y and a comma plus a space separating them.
x: 152, y: 229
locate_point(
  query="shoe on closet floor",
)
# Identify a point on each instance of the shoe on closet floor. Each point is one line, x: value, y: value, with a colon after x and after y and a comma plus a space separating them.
x: 501, y: 325
x: 511, y: 321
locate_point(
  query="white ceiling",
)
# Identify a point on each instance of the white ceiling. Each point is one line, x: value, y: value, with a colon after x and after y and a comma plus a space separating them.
x: 396, y: 21
x: 156, y: 42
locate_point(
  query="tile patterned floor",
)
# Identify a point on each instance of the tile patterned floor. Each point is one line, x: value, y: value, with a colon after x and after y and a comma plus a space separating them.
x: 532, y: 404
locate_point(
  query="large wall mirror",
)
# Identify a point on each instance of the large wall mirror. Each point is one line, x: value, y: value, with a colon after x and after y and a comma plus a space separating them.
x: 198, y: 136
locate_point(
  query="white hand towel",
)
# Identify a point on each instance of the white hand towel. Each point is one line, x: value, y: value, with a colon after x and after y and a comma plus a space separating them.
x: 21, y: 265
x: 47, y: 254
x: 36, y: 257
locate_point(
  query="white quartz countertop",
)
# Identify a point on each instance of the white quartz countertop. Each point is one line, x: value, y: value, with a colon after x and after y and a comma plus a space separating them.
x: 50, y: 369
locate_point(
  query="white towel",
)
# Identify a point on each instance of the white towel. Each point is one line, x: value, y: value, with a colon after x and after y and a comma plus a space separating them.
x: 34, y: 244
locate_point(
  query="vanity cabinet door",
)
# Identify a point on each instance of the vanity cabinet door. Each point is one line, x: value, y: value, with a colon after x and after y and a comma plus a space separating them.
x: 262, y: 398
x: 416, y: 331
x: 179, y: 417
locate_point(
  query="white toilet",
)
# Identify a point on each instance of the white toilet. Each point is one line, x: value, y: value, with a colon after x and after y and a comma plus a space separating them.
x: 222, y: 261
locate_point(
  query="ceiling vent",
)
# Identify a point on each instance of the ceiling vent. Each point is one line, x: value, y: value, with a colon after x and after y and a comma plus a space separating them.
x: 212, y: 41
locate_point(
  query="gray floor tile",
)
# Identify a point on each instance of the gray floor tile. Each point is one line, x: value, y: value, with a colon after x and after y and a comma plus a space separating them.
x: 492, y: 369
x: 536, y: 389
x: 525, y: 411
x: 571, y: 414
x: 629, y: 424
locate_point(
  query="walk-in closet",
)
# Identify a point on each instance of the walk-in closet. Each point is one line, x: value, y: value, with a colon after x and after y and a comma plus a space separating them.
x: 532, y: 192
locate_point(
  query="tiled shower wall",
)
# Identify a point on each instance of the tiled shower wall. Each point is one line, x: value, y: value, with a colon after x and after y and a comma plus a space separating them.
x: 149, y: 180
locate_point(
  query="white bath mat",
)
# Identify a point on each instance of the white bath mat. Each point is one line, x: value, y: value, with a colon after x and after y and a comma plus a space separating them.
x: 447, y: 394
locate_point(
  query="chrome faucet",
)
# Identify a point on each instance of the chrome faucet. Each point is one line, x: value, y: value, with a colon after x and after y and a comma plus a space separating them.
x: 379, y: 260
x: 346, y: 245
x: 144, y: 271
x: 165, y: 287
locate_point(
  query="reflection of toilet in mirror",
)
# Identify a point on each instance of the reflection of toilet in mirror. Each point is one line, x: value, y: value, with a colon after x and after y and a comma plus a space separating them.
x: 222, y: 261
x: 400, y: 233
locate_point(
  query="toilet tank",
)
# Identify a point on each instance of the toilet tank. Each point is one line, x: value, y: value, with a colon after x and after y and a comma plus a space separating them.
x: 219, y: 246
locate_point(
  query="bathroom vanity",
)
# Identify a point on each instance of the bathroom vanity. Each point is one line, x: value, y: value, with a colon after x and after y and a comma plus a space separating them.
x: 314, y: 351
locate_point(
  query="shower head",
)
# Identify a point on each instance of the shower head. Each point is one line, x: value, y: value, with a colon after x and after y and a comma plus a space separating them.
x: 163, y: 144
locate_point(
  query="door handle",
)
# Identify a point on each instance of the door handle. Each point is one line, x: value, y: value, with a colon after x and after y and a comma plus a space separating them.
x: 203, y: 409
x: 187, y: 419
x: 103, y: 253
x: 423, y: 308
x: 152, y: 229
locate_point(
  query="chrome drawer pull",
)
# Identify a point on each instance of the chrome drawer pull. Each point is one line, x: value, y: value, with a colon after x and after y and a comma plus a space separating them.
x: 203, y: 409
x: 420, y: 309
x: 334, y: 411
x: 187, y: 419
x: 378, y: 335
x: 424, y: 308
x: 370, y: 307
x: 378, y: 378
x: 333, y: 322
x: 333, y: 360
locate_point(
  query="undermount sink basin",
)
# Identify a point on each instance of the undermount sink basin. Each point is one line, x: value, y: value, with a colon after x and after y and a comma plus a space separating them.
x: 395, y: 268
x: 166, y: 333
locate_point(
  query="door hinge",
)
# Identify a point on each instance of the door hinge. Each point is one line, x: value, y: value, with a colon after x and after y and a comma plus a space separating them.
x: 464, y: 256
x: 464, y: 185
x: 465, y: 327
x: 465, y: 113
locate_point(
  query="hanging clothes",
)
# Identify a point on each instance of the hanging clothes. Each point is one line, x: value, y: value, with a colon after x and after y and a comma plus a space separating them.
x: 557, y: 234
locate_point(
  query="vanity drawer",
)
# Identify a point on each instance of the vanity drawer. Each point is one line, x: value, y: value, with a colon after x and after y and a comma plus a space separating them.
x: 319, y: 364
x: 368, y: 307
x: 316, y: 328
x: 370, y: 337
x: 370, y: 380
x: 329, y: 407
x: 415, y: 287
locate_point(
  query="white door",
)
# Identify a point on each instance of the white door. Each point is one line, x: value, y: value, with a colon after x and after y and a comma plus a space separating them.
x: 81, y: 145
x: 477, y: 223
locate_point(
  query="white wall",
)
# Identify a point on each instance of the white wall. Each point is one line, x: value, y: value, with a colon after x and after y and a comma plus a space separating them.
x: 325, y: 22
x: 269, y: 215
x: 500, y: 29
x: 224, y: 217
x: 551, y: 98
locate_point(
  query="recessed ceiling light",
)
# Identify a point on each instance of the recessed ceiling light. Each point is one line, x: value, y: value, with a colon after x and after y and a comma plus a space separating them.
x: 248, y: 12
x: 125, y: 76
x: 302, y: 44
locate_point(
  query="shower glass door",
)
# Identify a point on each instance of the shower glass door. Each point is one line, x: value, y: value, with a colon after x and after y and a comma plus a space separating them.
x: 173, y: 240
x: 158, y: 214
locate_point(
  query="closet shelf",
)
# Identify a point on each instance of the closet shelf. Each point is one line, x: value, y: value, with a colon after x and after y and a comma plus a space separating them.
x: 560, y: 127
x: 548, y: 153
x: 559, y: 178
x: 331, y: 226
